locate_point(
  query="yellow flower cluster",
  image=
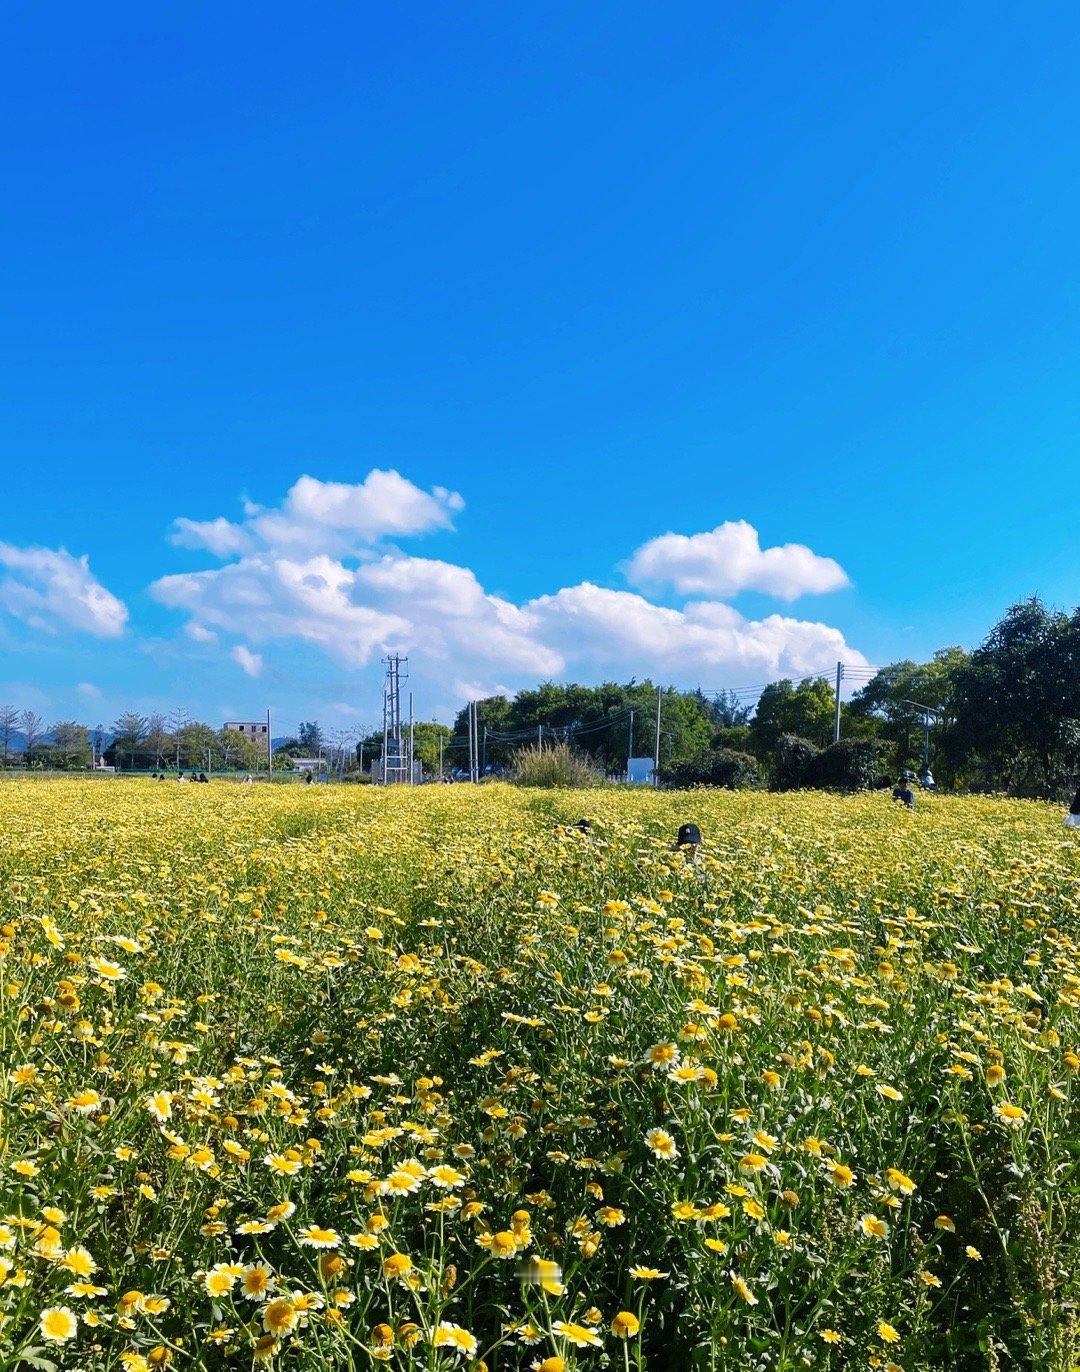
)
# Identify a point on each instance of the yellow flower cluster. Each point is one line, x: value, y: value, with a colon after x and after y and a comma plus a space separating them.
x: 434, y: 1078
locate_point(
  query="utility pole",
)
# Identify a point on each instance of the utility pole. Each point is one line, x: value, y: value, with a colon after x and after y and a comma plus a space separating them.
x: 440, y: 757
x: 930, y: 714
x: 269, y: 749
x: 656, y: 756
x: 836, y: 721
x: 540, y: 737
x: 483, y: 765
x: 386, y: 734
x: 412, y: 744
x: 630, y: 746
x: 395, y: 756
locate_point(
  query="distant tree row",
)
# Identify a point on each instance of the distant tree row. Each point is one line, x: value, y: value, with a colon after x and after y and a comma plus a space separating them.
x: 63, y: 744
x: 138, y: 742
x: 1006, y: 717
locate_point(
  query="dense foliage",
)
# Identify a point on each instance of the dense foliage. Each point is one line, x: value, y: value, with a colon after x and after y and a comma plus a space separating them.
x: 335, y: 1077
x: 719, y: 767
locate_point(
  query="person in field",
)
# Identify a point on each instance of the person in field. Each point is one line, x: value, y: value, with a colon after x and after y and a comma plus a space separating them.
x: 688, y: 841
x: 1072, y: 819
x: 902, y: 791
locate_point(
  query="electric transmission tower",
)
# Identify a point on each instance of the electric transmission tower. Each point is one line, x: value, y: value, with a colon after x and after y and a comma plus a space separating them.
x: 395, y: 759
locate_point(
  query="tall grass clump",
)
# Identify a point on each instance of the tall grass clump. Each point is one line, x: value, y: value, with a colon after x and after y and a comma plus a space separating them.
x: 554, y: 766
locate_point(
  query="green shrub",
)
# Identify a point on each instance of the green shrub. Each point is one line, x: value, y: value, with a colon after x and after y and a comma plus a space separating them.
x: 853, y: 764
x: 793, y: 758
x: 734, y: 737
x: 557, y: 765
x: 722, y: 767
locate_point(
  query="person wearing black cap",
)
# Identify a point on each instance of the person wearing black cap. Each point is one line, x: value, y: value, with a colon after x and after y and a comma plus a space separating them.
x: 1072, y: 819
x: 688, y: 840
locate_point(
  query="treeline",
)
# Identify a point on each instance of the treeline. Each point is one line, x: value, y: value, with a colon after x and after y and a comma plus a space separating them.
x: 1006, y: 717
x: 152, y: 743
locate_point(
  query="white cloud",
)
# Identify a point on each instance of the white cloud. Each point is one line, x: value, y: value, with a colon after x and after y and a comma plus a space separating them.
x: 219, y: 536
x: 326, y: 516
x: 250, y: 662
x: 457, y: 633
x: 48, y: 585
x: 88, y: 690
x: 706, y: 642
x: 309, y: 576
x: 342, y: 707
x: 730, y: 559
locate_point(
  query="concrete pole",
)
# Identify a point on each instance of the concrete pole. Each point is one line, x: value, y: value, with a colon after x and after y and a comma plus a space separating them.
x: 836, y: 722
x: 656, y: 755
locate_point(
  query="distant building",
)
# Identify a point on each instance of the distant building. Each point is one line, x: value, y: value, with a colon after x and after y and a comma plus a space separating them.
x: 308, y: 764
x: 248, y: 728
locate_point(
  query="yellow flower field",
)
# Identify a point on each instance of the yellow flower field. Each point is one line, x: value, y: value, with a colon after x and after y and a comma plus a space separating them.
x: 321, y: 1077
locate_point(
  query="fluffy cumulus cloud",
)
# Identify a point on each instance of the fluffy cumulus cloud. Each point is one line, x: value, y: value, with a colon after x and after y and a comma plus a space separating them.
x: 730, y: 559
x: 326, y: 516
x: 48, y: 587
x: 706, y: 641
x: 311, y: 572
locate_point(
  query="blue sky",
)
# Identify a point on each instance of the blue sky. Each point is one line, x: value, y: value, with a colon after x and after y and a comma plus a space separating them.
x: 607, y: 272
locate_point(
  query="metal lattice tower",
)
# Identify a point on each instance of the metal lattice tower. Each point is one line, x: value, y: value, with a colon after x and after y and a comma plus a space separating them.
x: 395, y: 760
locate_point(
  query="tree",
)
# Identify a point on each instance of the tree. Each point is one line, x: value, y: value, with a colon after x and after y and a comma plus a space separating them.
x: 724, y: 709
x: 129, y: 732
x: 310, y: 738
x: 721, y: 767
x: 178, y: 720
x: 31, y: 724
x: 793, y: 759
x: 594, y: 719
x: 887, y: 701
x: 157, y: 738
x: 71, y: 744
x: 9, y: 722
x: 853, y: 764
x: 238, y: 752
x: 494, y: 715
x: 369, y: 749
x: 806, y: 710
x: 1017, y: 702
x: 426, y: 737
x: 196, y: 745
x: 737, y: 737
